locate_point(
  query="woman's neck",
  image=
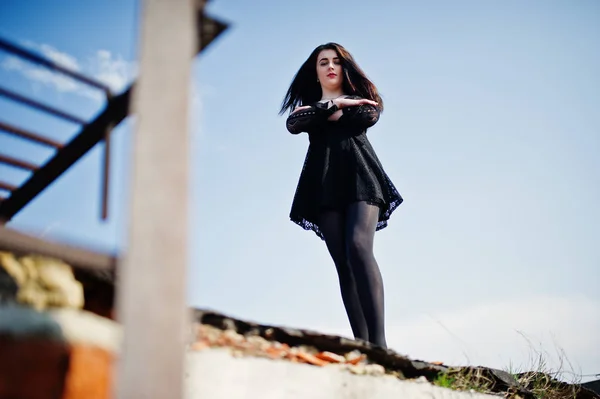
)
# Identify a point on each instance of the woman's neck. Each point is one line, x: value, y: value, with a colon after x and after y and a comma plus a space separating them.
x: 330, y: 95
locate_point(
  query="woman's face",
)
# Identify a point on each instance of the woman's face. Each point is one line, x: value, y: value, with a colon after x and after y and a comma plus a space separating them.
x: 329, y: 70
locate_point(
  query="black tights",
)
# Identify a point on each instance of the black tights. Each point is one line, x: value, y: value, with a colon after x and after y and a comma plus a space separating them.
x: 349, y: 238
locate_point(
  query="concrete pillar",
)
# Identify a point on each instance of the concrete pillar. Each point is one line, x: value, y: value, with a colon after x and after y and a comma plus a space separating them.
x: 151, y: 286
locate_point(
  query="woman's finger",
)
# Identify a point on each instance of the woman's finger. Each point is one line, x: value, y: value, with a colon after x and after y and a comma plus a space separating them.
x: 371, y: 102
x: 300, y: 108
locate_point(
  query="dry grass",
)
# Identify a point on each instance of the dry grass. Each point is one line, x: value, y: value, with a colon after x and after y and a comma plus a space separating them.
x: 538, y: 378
x: 465, y: 379
x: 545, y: 381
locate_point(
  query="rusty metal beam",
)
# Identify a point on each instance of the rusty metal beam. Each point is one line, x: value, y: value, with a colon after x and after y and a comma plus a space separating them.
x: 7, y: 186
x: 20, y: 243
x: 32, y: 57
x: 28, y: 135
x: 106, y: 172
x: 116, y: 110
x: 40, y: 106
x: 18, y: 163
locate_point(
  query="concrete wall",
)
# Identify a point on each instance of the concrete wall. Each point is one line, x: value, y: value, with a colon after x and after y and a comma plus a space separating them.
x: 216, y: 374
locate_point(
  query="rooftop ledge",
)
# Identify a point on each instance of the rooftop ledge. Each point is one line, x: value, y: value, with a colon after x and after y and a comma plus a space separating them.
x: 49, y: 334
x: 231, y: 358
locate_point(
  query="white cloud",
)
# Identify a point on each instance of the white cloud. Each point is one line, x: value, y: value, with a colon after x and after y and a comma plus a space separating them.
x: 60, y: 58
x: 110, y: 69
x: 506, y: 334
x: 41, y: 75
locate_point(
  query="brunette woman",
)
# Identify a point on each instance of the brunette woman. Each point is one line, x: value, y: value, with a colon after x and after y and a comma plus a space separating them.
x: 344, y: 195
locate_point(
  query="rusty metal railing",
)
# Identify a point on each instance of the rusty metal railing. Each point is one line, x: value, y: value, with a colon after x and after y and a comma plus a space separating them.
x: 154, y: 341
x: 7, y: 205
x: 13, y: 197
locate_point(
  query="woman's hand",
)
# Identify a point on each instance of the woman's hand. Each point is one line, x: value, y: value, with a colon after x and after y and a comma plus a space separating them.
x: 297, y: 109
x: 342, y: 102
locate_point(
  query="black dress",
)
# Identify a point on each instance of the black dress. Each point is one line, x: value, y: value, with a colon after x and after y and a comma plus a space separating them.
x: 341, y: 166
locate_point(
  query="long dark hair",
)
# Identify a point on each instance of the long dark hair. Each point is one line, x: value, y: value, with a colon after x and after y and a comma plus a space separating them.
x: 305, y: 89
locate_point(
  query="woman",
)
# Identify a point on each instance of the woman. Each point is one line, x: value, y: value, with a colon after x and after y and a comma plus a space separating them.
x: 343, y: 194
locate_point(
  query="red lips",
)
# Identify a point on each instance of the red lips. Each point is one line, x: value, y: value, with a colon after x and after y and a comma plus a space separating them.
x: 332, y: 75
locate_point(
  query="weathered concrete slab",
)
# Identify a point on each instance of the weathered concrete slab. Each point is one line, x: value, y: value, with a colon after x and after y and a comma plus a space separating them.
x: 217, y: 374
x: 227, y: 358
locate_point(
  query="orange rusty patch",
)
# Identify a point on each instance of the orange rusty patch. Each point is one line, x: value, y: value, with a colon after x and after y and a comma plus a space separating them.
x: 357, y: 359
x: 311, y: 359
x: 331, y: 357
x: 90, y: 373
x: 254, y: 345
x: 276, y: 353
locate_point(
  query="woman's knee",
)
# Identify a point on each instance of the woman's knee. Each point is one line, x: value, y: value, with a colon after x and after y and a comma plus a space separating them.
x: 359, y: 246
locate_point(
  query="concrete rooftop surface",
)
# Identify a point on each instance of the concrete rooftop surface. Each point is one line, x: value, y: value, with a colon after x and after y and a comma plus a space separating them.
x: 50, y: 335
x: 216, y: 374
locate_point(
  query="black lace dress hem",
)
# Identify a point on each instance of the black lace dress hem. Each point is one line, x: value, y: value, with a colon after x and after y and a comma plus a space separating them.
x: 340, y: 167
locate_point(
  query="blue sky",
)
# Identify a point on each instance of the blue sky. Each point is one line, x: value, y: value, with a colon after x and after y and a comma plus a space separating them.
x: 490, y: 133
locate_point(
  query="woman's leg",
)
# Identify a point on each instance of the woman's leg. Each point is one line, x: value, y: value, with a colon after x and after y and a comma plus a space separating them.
x: 361, y: 222
x: 331, y: 224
